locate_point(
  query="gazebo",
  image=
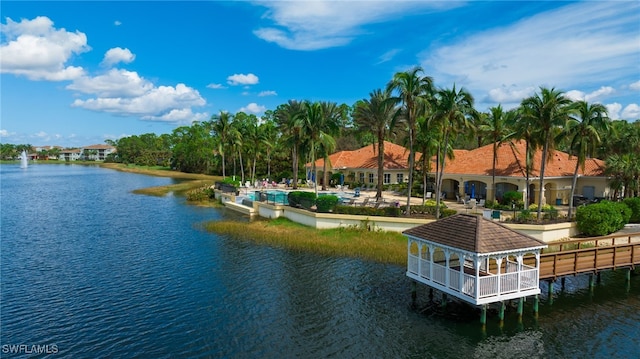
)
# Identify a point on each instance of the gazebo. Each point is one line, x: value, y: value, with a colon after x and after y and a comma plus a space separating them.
x: 474, y: 259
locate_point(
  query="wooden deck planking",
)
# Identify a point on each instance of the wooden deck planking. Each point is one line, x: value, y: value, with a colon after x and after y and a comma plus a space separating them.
x: 602, y: 253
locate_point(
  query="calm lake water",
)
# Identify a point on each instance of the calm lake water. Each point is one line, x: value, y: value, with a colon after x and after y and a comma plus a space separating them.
x: 89, y: 270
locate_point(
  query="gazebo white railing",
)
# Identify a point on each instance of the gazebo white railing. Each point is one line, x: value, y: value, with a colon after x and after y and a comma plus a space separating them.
x: 474, y: 277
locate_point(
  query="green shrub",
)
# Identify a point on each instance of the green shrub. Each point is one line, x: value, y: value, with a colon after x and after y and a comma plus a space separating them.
x: 302, y: 199
x: 204, y: 193
x: 602, y: 218
x: 430, y: 210
x: 634, y: 205
x: 326, y: 203
x: 545, y: 208
x: 510, y: 197
x: 391, y: 211
x: 229, y: 180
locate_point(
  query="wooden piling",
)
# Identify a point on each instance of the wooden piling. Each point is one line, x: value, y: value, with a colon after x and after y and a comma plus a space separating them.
x: 536, y: 302
x: 483, y: 315
x: 501, y: 312
x: 520, y: 307
x: 414, y: 292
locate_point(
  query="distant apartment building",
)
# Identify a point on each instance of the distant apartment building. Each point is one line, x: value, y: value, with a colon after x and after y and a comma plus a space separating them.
x: 97, y: 152
x: 70, y: 154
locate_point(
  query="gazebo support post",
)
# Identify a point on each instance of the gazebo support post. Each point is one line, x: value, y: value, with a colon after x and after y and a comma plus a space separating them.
x: 443, y: 304
x: 414, y: 292
x: 536, y: 302
x: 501, y: 312
x: 520, y: 307
x: 483, y: 315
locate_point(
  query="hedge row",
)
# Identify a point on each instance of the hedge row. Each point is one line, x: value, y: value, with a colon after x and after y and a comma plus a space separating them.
x: 602, y: 218
x: 430, y: 210
x: 367, y: 211
x: 634, y: 205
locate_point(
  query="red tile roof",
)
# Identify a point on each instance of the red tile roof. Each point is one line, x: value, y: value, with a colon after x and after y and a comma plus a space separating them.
x: 510, y: 161
x: 396, y: 157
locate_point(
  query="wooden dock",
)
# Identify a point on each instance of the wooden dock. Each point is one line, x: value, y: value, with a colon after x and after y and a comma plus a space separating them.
x: 590, y: 255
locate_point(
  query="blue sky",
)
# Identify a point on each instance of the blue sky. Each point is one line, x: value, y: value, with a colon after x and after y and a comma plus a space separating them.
x: 76, y: 73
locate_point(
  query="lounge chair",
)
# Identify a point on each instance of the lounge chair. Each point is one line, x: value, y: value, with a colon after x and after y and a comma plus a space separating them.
x: 365, y: 202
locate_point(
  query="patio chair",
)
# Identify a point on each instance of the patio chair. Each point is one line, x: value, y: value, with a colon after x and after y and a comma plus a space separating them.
x: 351, y: 202
x: 481, y: 203
x: 365, y: 202
x: 356, y: 192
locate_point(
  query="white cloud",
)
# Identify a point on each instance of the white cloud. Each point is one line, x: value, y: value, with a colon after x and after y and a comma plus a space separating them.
x: 182, y: 116
x: 594, y: 96
x: 313, y: 25
x: 4, y: 133
x: 242, y: 79
x: 511, y: 94
x: 37, y: 50
x: 631, y: 112
x: 387, y: 56
x: 162, y: 103
x: 117, y: 54
x: 114, y: 83
x: 575, y: 45
x: 216, y: 86
x: 117, y: 23
x: 253, y: 108
x: 267, y: 93
x: 613, y: 109
x: 635, y: 86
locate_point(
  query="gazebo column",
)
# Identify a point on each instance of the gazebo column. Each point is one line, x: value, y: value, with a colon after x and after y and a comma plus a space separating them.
x: 462, y: 259
x: 519, y: 260
x: 477, y: 261
x: 420, y: 244
x: 499, y: 264
x: 447, y: 282
x: 537, y: 279
x: 431, y: 261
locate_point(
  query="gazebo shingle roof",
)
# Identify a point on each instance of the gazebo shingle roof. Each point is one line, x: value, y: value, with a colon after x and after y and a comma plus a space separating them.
x: 473, y: 234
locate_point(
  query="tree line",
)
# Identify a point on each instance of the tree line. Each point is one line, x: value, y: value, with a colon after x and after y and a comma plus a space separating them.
x: 411, y: 111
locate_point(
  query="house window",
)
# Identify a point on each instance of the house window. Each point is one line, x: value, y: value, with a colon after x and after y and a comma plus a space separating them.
x: 370, y: 177
x: 387, y: 178
x: 361, y: 178
x: 399, y: 178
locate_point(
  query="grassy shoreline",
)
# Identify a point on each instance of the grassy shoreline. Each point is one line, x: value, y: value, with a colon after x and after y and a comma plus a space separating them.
x: 192, y: 180
x: 380, y: 247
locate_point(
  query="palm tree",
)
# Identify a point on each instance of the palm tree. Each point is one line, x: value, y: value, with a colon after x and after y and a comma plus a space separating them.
x: 427, y: 141
x: 332, y: 117
x: 319, y: 123
x: 221, y: 126
x: 412, y: 89
x: 377, y: 115
x: 523, y: 130
x: 548, y: 113
x: 452, y: 111
x: 289, y: 118
x: 496, y: 128
x: 585, y: 130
